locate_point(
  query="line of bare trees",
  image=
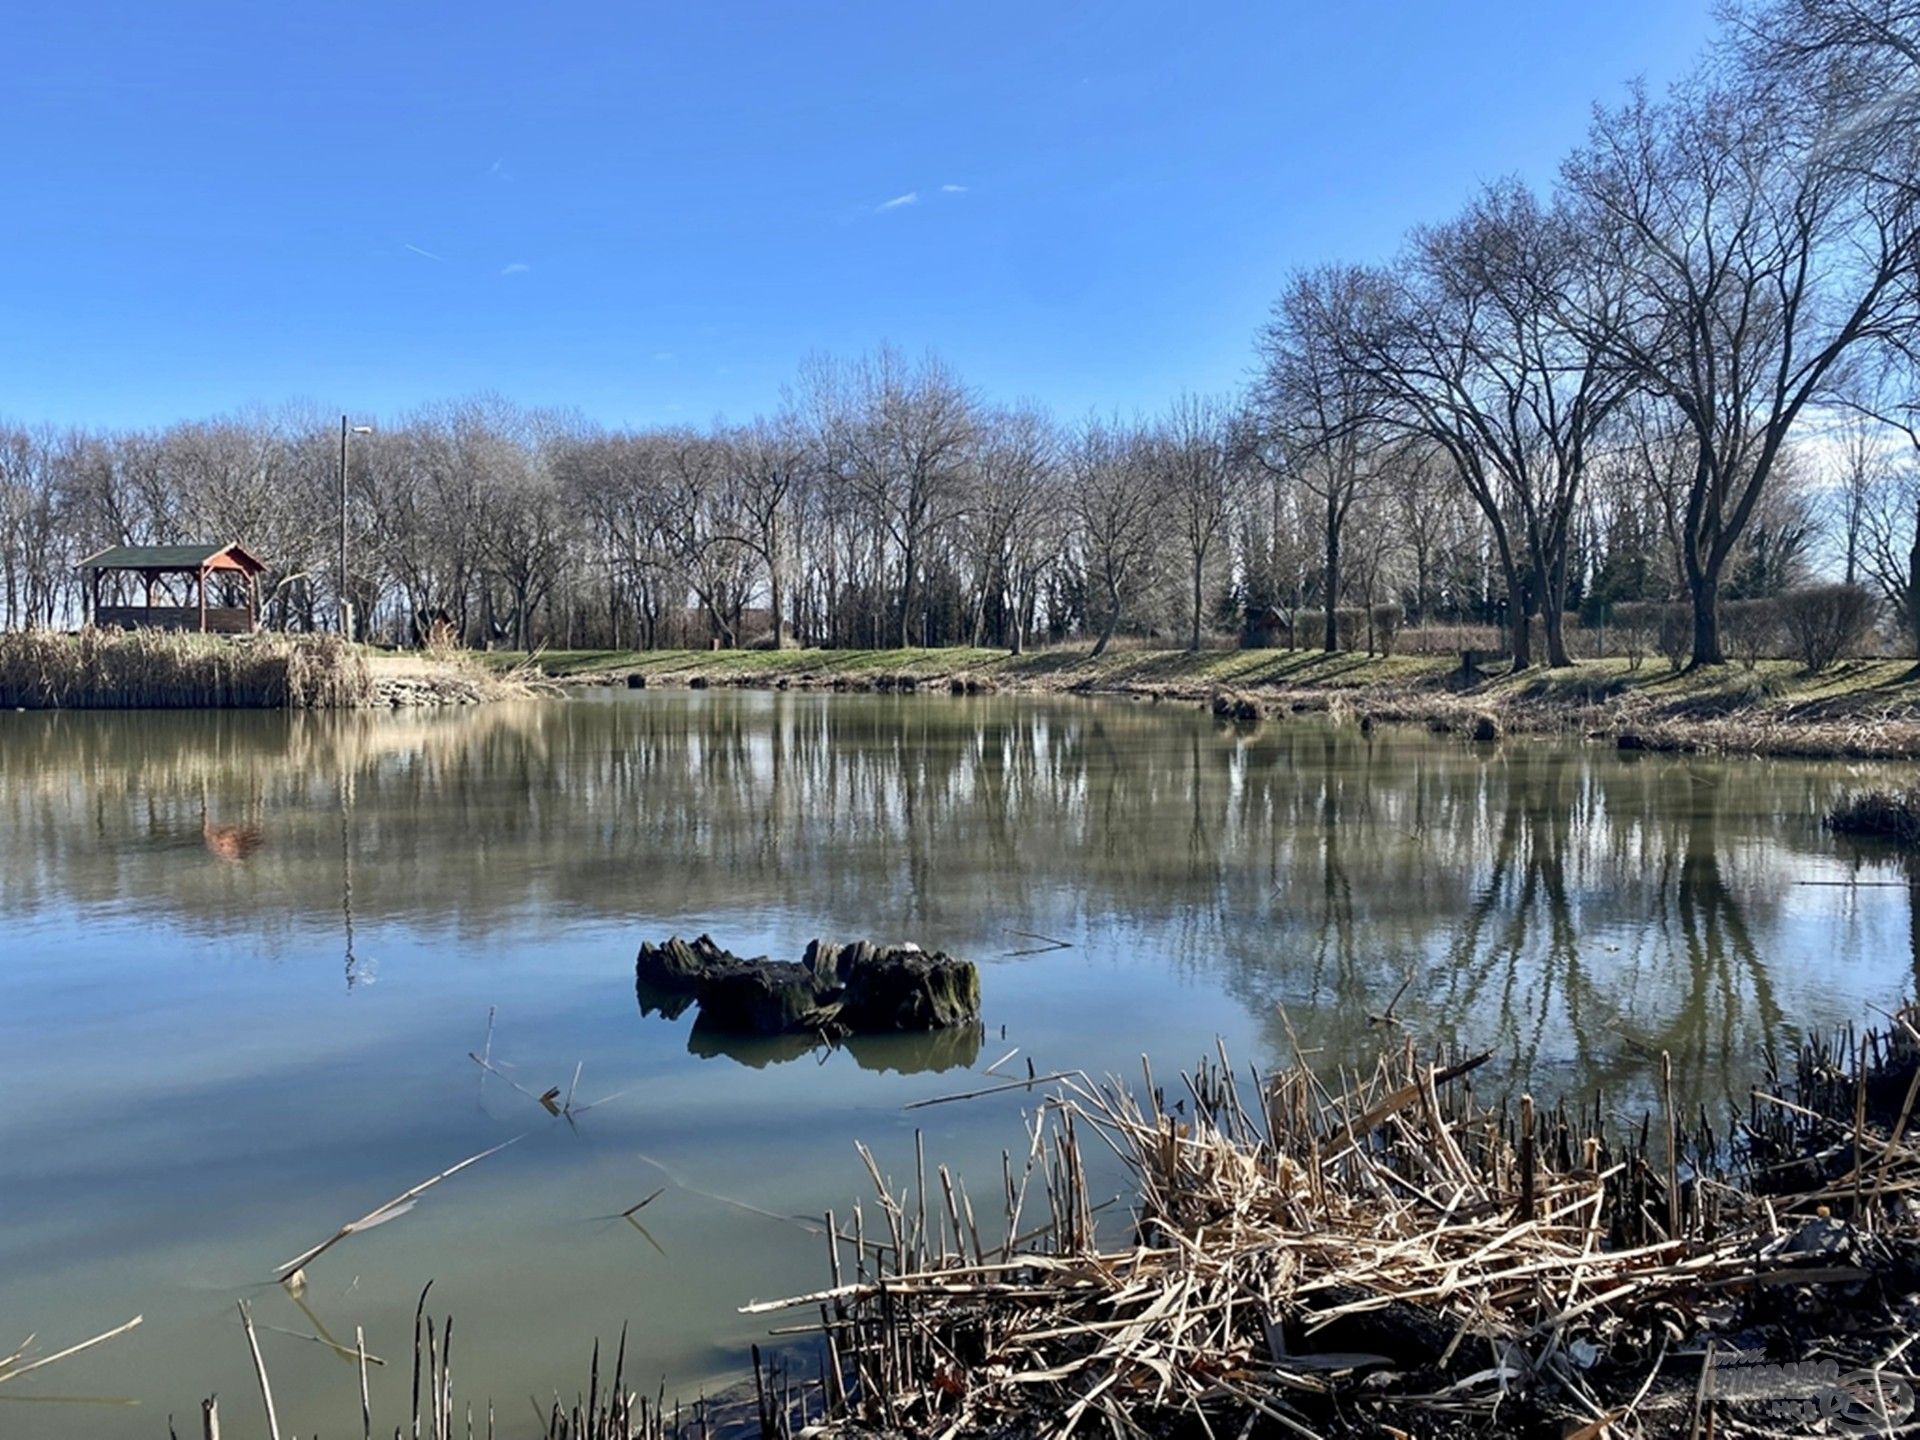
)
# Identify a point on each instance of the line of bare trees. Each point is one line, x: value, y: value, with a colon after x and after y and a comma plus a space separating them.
x: 1717, y: 273
x: 1689, y: 372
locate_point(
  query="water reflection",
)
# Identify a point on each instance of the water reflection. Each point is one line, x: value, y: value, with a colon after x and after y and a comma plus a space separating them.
x: 956, y: 1048
x: 1574, y: 907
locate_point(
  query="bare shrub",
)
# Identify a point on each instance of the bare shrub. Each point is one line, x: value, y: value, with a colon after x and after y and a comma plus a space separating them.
x: 1751, y: 629
x: 1635, y: 627
x: 1384, y: 621
x: 1675, y: 635
x: 1822, y: 623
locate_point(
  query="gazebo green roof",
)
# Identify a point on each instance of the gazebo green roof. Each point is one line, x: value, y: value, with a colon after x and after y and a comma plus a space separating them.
x: 167, y: 557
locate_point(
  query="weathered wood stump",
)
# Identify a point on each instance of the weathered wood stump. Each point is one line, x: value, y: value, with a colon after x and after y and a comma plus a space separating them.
x: 836, y: 990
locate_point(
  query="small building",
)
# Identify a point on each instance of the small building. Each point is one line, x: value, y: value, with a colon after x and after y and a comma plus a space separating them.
x: 1266, y: 627
x: 214, y: 589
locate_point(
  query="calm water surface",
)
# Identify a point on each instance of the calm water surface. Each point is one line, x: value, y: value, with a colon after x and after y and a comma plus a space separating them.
x: 244, y: 958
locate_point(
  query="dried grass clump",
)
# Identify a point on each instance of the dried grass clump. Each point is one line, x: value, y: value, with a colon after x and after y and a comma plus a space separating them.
x: 1386, y: 1255
x: 154, y: 669
x: 1879, y: 815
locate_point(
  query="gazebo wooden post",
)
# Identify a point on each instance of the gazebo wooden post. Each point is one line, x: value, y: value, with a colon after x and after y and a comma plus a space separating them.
x: 203, y: 599
x: 253, y: 603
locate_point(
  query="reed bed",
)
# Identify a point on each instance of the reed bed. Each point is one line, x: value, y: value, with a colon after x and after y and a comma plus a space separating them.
x: 1379, y: 1253
x: 152, y: 669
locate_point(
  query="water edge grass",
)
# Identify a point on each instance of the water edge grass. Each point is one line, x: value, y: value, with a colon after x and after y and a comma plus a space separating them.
x: 159, y: 670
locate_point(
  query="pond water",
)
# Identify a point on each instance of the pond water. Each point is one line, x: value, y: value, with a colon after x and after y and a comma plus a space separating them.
x: 244, y: 959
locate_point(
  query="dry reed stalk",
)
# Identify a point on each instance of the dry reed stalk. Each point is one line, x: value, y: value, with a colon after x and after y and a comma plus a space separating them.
x: 1387, y: 1225
x: 260, y: 1371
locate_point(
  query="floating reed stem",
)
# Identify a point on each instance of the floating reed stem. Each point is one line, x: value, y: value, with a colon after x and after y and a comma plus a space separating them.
x: 381, y: 1214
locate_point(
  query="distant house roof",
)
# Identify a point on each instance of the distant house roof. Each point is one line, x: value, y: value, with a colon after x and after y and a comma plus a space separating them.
x: 174, y: 557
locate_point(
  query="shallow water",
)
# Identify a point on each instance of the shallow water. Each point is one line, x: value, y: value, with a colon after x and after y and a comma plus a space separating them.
x: 244, y: 958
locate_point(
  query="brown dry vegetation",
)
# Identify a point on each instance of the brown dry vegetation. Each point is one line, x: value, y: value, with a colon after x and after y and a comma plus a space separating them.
x: 147, y: 669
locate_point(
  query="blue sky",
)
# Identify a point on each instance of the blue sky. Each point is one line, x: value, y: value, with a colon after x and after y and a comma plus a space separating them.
x: 652, y: 213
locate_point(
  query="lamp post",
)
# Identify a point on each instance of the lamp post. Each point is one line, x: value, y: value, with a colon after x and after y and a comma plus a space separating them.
x: 346, y: 609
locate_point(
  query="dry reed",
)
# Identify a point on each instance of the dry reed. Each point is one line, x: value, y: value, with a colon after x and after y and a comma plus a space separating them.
x: 1384, y: 1254
x: 152, y: 669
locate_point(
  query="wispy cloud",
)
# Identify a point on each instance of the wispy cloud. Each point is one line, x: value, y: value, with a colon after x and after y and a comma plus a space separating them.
x: 912, y: 197
x: 428, y: 254
x: 518, y: 267
x: 953, y: 189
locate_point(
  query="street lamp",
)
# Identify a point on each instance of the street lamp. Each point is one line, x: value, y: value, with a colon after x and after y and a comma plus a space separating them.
x: 346, y: 610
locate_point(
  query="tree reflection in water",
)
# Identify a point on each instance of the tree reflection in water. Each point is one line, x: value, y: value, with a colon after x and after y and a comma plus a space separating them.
x: 1575, y: 908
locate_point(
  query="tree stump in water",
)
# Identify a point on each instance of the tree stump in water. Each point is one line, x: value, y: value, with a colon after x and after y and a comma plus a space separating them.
x: 836, y: 990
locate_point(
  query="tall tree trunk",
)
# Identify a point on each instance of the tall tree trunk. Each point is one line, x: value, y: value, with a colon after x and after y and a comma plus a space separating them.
x: 1554, y: 621
x: 1704, y: 591
x: 1111, y: 623
x: 906, y: 600
x: 773, y: 603
x: 1913, y: 586
x: 1330, y: 635
x: 1198, y: 562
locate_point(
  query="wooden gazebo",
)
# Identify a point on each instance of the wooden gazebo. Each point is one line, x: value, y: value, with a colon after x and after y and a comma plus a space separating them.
x: 234, y: 572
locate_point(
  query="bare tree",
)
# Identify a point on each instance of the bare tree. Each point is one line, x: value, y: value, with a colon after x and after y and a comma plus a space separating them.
x: 899, y: 435
x: 1857, y: 468
x: 1118, y: 511
x: 1753, y: 270
x: 1012, y: 523
x: 1202, y: 472
x: 35, y: 554
x: 768, y: 459
x: 1315, y: 414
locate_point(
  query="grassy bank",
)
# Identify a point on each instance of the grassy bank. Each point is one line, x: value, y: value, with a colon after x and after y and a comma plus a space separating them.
x: 1857, y: 707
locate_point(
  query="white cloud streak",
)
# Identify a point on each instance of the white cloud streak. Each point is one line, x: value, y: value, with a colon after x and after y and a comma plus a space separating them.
x: 518, y: 267
x: 912, y: 197
x: 409, y: 245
